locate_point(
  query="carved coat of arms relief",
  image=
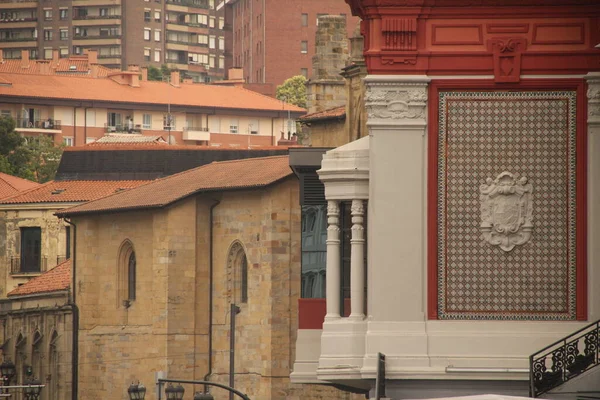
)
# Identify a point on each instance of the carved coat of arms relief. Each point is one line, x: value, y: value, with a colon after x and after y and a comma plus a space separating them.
x: 506, y: 210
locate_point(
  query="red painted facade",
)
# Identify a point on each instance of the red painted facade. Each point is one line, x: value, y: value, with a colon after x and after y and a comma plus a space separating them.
x: 503, y: 41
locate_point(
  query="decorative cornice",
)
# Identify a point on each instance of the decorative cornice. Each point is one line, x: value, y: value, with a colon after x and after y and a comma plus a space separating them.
x: 395, y: 100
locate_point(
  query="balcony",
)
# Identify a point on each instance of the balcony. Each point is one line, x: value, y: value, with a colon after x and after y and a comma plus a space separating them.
x: 196, y: 133
x: 94, y: 17
x: 20, y: 39
x: 189, y: 3
x: 12, y: 4
x: 28, y: 265
x: 122, y: 128
x: 95, y: 37
x: 38, y: 126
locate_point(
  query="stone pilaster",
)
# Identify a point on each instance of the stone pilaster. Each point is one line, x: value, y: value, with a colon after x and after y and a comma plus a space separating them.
x: 333, y: 261
x: 357, y: 261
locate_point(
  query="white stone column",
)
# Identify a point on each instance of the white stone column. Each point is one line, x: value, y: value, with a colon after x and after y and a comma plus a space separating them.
x: 593, y: 195
x: 333, y: 274
x: 357, y: 261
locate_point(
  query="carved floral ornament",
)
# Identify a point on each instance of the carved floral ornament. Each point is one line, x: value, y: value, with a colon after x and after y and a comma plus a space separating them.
x: 405, y: 103
x: 506, y: 211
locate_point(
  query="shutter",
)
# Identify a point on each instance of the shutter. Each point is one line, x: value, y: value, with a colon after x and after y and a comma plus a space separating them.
x: 312, y: 190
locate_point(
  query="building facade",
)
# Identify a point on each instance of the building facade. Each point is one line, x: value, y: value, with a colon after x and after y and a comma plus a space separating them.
x: 187, y: 35
x: 78, y: 110
x: 461, y: 232
x: 263, y: 52
x: 155, y: 298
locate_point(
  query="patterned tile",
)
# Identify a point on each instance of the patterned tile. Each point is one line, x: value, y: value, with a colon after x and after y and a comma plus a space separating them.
x: 482, y: 134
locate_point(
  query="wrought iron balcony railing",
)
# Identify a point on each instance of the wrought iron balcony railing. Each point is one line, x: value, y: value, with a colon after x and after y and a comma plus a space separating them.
x: 564, y: 360
x: 189, y: 3
x: 27, y: 265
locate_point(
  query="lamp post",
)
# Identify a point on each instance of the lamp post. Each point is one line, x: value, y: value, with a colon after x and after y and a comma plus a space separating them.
x: 7, y: 371
x: 174, y: 392
x: 33, y: 389
x: 136, y: 391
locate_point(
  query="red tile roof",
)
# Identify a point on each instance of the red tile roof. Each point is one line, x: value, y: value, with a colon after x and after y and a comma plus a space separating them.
x: 70, y: 191
x: 11, y: 185
x: 129, y: 139
x: 217, y: 176
x: 149, y: 92
x: 172, y: 147
x: 60, y: 67
x: 58, y: 278
x: 332, y: 113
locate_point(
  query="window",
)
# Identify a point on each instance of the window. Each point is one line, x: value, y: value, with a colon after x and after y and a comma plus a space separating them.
x: 146, y: 33
x: 127, y: 275
x: 47, y: 54
x: 203, y: 40
x: 146, y: 15
x: 64, y: 52
x: 211, y: 61
x: 68, y: 240
x: 104, y: 12
x: 68, y: 141
x: 48, y: 34
x: 233, y: 126
x: 221, y: 62
x: 211, y: 4
x: 31, y: 249
x: 63, y: 13
x: 48, y: 15
x: 169, y: 122
x: 222, y: 42
x: 253, y: 126
x: 304, y: 20
x: 157, y: 35
x: 221, y: 22
x: 211, y: 22
x: 146, y: 54
x: 156, y: 16
x: 156, y: 55
x: 147, y: 121
x: 211, y: 42
x: 64, y: 34
x: 76, y: 50
x: 237, y: 264
x: 5, y: 113
x: 304, y: 72
x: 304, y: 47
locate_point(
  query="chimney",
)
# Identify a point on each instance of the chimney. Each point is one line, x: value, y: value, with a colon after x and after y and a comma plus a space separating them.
x: 92, y: 56
x: 44, y: 67
x: 235, y: 74
x: 94, y: 70
x: 24, y: 58
x: 134, y: 80
x: 55, y: 55
x: 133, y: 68
x: 188, y: 80
x: 1, y: 56
x: 175, y: 78
x: 144, y: 74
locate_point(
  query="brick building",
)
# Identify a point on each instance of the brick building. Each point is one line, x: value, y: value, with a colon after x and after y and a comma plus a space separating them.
x: 274, y: 40
x: 188, y: 35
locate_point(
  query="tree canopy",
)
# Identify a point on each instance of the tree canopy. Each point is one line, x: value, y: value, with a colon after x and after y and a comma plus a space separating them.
x: 36, y: 160
x: 293, y: 91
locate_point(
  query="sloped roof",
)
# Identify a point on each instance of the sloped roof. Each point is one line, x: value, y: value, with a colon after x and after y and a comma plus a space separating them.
x: 225, y: 175
x: 11, y: 185
x: 63, y: 66
x: 70, y: 191
x: 332, y: 113
x: 149, y: 92
x: 58, y: 278
x: 128, y: 139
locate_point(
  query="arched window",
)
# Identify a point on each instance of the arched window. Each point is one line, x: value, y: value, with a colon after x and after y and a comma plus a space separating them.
x: 127, y: 274
x: 237, y: 267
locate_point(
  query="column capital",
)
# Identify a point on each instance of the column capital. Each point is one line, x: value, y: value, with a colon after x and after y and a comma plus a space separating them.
x: 396, y: 100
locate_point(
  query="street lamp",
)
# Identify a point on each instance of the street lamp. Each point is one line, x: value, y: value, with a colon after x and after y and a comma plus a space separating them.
x: 203, y: 396
x: 33, y: 390
x: 136, y: 392
x: 174, y: 392
x: 8, y: 371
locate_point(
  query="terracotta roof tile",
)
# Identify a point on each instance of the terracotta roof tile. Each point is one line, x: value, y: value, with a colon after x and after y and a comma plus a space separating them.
x: 70, y: 191
x: 172, y: 147
x: 129, y: 139
x: 149, y: 92
x: 332, y: 113
x: 58, y: 278
x: 11, y: 185
x: 225, y: 175
x: 49, y: 67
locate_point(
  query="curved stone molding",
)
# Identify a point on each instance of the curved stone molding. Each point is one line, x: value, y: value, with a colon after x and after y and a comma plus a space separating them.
x: 396, y: 100
x: 506, y: 211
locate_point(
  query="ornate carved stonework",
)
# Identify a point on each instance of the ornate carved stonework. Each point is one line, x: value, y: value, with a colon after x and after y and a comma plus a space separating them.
x: 506, y: 211
x: 389, y: 102
x: 507, y: 58
x: 593, y: 95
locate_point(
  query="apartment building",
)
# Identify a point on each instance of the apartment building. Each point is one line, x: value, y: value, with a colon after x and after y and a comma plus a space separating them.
x: 187, y: 35
x: 274, y: 40
x: 78, y: 110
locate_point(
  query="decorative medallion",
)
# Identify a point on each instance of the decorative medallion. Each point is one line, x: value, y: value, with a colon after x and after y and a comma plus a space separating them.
x: 506, y: 211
